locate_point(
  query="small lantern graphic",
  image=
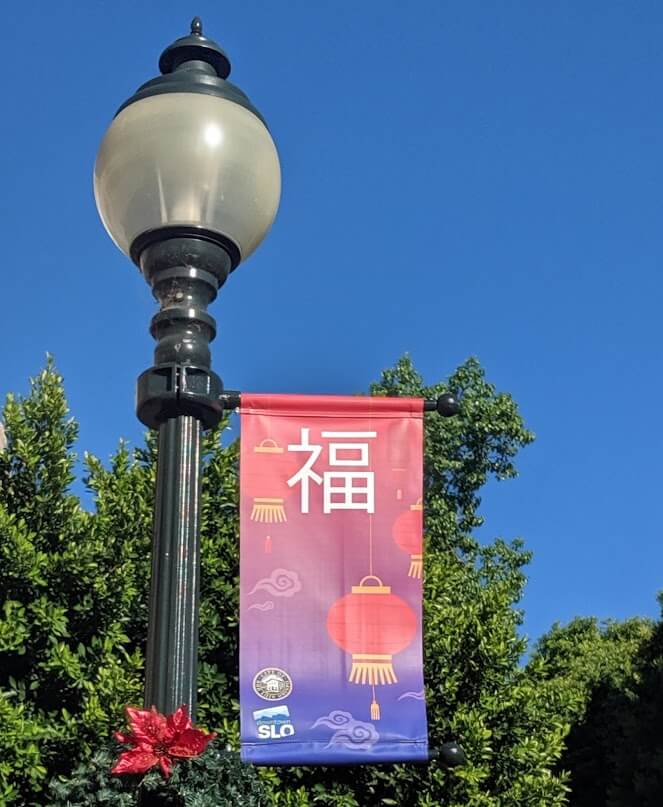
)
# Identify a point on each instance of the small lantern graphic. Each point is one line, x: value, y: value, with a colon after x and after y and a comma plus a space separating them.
x: 267, y: 481
x: 408, y: 534
x: 373, y: 625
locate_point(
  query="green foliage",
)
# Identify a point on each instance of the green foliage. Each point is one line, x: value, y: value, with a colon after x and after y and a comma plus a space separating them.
x: 215, y: 778
x: 612, y: 674
x: 73, y: 618
x: 67, y: 662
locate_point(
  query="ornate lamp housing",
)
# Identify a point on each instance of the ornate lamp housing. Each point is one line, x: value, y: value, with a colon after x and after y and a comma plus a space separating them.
x: 187, y: 183
x: 189, y: 154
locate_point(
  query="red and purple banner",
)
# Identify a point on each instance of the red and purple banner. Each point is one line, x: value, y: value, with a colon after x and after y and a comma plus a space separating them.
x: 330, y: 590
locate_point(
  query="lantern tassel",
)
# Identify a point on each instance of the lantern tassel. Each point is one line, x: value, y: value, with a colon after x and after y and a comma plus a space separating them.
x: 416, y: 566
x: 375, y: 709
x: 399, y: 494
x: 268, y: 511
x: 268, y: 544
x: 372, y: 669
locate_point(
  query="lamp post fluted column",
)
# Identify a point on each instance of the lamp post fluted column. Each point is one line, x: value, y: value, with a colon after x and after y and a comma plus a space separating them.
x: 179, y: 395
x: 187, y: 183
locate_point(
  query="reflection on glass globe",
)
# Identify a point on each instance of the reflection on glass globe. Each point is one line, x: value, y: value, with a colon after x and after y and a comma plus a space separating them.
x: 187, y: 159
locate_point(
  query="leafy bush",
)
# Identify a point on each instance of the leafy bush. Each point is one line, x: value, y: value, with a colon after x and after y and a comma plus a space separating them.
x: 67, y: 662
x: 612, y: 672
x: 215, y: 778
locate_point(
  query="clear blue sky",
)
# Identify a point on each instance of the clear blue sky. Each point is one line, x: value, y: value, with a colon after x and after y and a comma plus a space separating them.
x: 459, y: 179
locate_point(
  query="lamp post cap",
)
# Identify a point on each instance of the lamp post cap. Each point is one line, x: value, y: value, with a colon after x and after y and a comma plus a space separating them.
x: 452, y: 755
x: 195, y: 47
x: 447, y: 405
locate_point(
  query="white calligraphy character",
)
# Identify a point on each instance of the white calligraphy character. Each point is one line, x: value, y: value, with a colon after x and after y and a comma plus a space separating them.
x: 342, y: 489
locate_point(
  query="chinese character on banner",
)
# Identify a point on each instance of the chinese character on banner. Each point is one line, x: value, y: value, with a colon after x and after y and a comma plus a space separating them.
x: 342, y: 489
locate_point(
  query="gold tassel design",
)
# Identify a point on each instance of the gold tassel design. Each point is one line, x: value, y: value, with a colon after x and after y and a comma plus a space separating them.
x: 375, y: 708
x: 368, y: 668
x: 416, y: 566
x: 268, y: 511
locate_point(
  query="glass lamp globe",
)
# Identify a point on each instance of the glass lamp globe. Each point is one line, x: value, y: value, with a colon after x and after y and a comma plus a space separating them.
x: 188, y: 154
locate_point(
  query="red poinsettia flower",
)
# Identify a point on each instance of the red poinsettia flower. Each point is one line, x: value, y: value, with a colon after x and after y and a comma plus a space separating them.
x: 156, y: 739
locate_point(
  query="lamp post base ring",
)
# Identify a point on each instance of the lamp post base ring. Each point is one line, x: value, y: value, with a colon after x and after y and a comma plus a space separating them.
x: 170, y: 390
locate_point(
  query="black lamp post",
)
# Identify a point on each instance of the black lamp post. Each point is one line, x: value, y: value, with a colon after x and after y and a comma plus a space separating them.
x: 187, y: 183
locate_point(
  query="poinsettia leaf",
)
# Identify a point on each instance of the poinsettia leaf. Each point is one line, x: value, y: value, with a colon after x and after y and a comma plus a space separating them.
x: 137, y: 760
x: 165, y: 765
x: 190, y: 743
x: 125, y: 739
x: 179, y: 721
x: 147, y: 725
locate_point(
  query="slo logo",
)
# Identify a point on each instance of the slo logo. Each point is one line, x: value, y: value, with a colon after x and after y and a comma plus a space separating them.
x: 274, y: 723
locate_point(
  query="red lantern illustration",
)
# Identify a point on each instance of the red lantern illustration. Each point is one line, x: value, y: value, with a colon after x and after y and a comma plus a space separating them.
x: 408, y: 534
x: 373, y: 625
x: 267, y: 481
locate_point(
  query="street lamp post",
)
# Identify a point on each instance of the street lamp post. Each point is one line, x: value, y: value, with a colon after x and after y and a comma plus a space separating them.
x: 187, y: 183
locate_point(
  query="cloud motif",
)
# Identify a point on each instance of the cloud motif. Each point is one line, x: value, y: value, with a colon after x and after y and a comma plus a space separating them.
x: 280, y: 583
x: 358, y: 736
x: 334, y: 719
x: 350, y: 733
x: 417, y: 696
x: 262, y: 606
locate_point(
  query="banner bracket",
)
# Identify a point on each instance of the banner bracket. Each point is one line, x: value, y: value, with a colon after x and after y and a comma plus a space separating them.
x: 446, y: 405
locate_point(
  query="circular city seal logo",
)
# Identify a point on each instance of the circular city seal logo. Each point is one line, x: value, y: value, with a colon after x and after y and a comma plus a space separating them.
x: 272, y: 684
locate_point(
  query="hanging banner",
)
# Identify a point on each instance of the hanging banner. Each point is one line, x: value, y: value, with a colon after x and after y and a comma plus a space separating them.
x: 330, y: 583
